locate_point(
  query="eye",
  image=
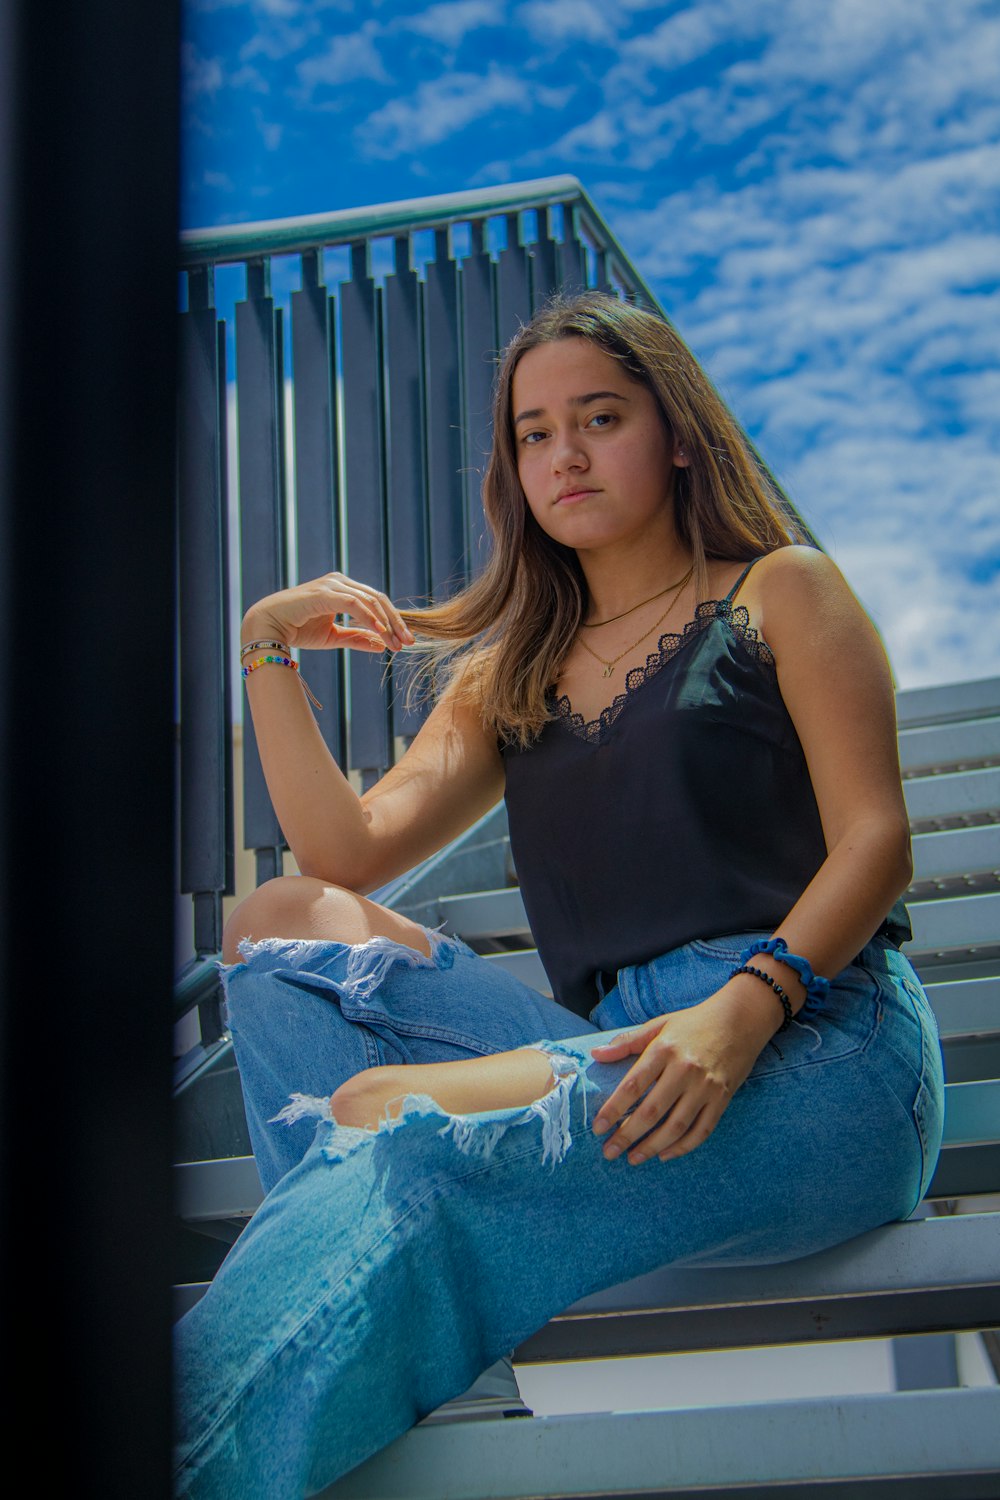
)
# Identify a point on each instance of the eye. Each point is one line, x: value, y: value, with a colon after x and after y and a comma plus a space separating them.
x: 527, y: 439
x: 602, y: 419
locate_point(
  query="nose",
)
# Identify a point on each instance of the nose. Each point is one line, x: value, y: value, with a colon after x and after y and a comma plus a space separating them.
x: 568, y: 453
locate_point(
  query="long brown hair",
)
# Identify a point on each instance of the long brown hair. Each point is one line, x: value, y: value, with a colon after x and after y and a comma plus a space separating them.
x: 501, y: 641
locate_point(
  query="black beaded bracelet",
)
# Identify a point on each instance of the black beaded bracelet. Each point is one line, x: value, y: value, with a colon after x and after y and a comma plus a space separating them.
x: 786, y: 1004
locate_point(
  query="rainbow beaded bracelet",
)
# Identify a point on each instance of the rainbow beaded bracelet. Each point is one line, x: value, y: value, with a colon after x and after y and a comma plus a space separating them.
x: 280, y: 661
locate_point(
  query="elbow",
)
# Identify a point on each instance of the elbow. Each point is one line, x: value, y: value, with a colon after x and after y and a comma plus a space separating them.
x: 879, y: 848
x: 329, y: 872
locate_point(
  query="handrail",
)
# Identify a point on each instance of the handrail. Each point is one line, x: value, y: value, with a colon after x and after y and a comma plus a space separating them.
x: 229, y: 243
x: 280, y: 236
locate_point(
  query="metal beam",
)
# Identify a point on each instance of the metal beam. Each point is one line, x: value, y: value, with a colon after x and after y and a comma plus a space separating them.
x: 956, y: 852
x: 948, y: 703
x: 920, y: 1445
x: 281, y: 236
x: 954, y: 923
x: 966, y: 1007
x: 947, y: 747
x: 956, y: 795
x: 939, y: 1273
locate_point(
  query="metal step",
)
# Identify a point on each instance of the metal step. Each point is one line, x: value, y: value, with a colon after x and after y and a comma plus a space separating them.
x: 950, y: 924
x: 954, y: 925
x: 949, y: 747
x: 914, y: 1445
x: 966, y: 1007
x: 918, y: 1276
x: 486, y: 914
x: 903, y: 1278
x: 968, y: 852
x: 933, y: 1274
x: 948, y: 703
x: 953, y: 798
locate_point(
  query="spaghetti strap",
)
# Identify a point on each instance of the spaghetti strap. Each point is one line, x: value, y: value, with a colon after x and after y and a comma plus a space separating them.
x: 739, y: 582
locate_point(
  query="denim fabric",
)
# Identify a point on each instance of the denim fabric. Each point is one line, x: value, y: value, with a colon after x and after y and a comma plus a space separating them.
x: 385, y: 1270
x: 306, y: 1016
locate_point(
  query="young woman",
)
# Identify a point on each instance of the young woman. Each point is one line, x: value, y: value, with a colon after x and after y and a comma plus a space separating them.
x: 692, y: 722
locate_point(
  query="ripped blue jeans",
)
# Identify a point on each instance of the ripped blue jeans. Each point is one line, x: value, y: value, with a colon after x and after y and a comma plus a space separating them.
x: 386, y: 1269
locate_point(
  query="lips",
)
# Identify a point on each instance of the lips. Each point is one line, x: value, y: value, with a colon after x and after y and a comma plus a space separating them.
x: 566, y: 497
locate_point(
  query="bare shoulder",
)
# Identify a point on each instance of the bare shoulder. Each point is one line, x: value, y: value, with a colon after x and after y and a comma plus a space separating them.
x: 801, y: 599
x: 800, y: 569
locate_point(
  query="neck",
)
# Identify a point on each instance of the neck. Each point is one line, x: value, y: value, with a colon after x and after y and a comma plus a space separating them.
x: 621, y: 575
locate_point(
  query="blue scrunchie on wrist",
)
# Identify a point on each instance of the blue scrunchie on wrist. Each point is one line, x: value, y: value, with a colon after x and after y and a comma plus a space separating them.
x: 816, y: 987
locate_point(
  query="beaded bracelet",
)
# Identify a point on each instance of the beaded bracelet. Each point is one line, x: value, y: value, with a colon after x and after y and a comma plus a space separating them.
x: 786, y: 1004
x: 281, y: 661
x: 815, y: 986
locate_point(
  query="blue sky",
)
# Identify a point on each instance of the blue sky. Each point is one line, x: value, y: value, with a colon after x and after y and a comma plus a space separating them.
x: 810, y: 189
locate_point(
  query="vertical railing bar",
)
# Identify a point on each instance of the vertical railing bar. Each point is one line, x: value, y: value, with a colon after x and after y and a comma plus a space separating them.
x: 477, y: 307
x: 201, y: 288
x: 369, y: 741
x: 544, y: 277
x: 405, y: 460
x: 203, y: 635
x: 570, y: 255
x: 443, y: 418
x: 513, y: 289
x: 316, y: 483
x: 262, y: 531
x: 229, y: 790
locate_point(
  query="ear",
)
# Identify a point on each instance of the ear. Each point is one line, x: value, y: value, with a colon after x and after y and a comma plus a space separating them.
x: 681, y: 457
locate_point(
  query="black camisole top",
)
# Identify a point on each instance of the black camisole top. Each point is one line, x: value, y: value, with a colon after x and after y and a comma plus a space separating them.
x: 685, y: 811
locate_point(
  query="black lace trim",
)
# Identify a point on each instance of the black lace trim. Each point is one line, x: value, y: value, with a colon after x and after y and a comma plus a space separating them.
x: 738, y: 619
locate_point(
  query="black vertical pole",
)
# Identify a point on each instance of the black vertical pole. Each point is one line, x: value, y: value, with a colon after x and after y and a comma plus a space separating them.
x: 88, y: 157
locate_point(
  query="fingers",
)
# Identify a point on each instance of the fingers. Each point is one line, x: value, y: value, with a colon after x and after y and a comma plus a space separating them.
x: 628, y: 1042
x: 368, y: 605
x: 636, y: 1081
x: 331, y: 611
x: 665, y: 1106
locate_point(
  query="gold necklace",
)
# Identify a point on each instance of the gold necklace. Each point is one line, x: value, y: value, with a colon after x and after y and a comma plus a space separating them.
x: 609, y: 666
x: 594, y: 624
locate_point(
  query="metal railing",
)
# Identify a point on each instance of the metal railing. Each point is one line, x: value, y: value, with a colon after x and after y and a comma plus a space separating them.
x: 376, y: 351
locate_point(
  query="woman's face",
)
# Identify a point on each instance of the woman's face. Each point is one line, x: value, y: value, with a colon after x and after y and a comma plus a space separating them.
x: 594, y: 455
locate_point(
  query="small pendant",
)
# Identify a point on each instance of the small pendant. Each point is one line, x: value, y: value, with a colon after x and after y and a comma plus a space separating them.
x: 609, y: 669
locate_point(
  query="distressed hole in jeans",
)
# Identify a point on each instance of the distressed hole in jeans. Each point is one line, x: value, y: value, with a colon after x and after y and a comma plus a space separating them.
x: 367, y: 963
x: 471, y: 1134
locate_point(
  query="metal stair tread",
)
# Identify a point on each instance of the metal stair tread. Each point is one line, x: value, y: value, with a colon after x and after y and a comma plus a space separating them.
x: 915, y: 1445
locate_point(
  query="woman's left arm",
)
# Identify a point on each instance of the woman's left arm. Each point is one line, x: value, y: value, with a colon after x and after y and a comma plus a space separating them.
x: 837, y: 687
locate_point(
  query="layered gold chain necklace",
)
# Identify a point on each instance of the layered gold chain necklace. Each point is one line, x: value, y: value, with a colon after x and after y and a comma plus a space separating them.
x: 673, y: 589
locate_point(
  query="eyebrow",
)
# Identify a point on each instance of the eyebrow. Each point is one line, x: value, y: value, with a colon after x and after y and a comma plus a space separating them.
x: 539, y: 411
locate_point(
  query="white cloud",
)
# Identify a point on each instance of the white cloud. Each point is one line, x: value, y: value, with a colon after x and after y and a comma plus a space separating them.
x: 271, y: 131
x: 277, y: 42
x: 600, y: 135
x: 451, y: 22
x: 571, y: 21
x: 690, y: 34
x: 200, y: 75
x: 446, y: 105
x: 345, y: 58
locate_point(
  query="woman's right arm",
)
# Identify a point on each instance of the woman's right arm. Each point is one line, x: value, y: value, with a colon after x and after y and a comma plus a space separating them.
x: 450, y: 775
